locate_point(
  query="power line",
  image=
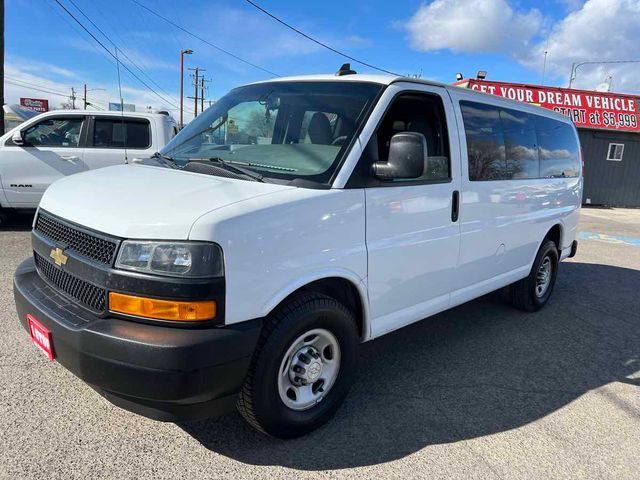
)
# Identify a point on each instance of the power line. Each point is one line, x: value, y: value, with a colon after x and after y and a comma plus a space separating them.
x: 17, y: 84
x: 31, y: 84
x: 308, y: 37
x: 77, y: 30
x: 119, y: 49
x: 207, y: 42
x: 20, y: 83
x: 114, y: 56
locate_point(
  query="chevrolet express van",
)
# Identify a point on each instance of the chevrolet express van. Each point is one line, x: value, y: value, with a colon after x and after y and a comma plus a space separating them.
x: 288, y: 223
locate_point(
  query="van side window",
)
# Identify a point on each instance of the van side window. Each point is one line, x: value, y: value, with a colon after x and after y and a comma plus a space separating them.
x: 55, y: 132
x: 485, y: 141
x: 126, y: 133
x: 521, y: 144
x: 559, y: 152
x: 507, y: 144
x: 420, y: 113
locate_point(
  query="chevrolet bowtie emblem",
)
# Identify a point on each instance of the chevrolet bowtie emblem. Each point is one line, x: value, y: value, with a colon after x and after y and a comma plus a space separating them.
x: 58, y: 256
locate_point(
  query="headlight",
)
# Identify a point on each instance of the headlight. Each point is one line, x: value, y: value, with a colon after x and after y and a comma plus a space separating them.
x: 178, y: 259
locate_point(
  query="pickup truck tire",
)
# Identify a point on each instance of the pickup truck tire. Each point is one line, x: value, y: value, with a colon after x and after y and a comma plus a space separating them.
x: 533, y: 292
x: 311, y: 331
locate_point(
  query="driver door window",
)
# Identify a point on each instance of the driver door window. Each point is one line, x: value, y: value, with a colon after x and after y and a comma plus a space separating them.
x: 55, y: 132
x: 419, y: 113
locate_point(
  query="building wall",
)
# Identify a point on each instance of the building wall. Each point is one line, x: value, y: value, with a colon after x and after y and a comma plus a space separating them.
x: 608, y: 182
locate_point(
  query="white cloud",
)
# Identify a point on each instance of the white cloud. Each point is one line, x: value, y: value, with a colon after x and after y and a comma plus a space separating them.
x: 591, y: 30
x: 601, y: 30
x: 472, y: 26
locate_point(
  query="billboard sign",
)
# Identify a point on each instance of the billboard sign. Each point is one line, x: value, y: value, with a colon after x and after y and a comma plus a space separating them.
x: 587, y: 109
x: 39, y: 105
x: 116, y: 107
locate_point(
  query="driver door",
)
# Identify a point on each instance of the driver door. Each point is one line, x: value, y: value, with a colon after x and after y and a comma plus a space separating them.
x: 412, y: 227
x: 53, y: 148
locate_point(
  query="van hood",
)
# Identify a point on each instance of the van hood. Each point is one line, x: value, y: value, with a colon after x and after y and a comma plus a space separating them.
x: 144, y: 202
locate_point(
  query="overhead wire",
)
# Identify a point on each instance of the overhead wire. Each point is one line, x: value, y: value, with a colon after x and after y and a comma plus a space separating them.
x: 322, y: 44
x: 36, y: 88
x: 204, y: 40
x: 119, y: 49
x: 151, y: 89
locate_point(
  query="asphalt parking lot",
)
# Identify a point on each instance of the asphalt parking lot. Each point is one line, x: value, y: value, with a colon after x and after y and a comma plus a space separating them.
x: 482, y: 391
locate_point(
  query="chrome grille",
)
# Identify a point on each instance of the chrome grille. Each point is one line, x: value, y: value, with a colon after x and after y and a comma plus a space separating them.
x: 87, y: 294
x: 90, y: 246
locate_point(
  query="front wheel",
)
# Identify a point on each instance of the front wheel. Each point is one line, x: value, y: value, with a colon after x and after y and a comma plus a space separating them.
x: 303, y: 367
x: 533, y: 292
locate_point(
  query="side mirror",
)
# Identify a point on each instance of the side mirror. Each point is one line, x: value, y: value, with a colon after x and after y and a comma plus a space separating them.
x: 18, y: 138
x: 407, y: 154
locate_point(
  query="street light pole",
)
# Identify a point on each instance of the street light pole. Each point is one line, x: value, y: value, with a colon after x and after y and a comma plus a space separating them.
x: 575, y: 66
x: 182, y: 53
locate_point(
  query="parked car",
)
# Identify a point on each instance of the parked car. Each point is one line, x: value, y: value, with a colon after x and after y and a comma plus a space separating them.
x: 59, y: 143
x: 287, y: 224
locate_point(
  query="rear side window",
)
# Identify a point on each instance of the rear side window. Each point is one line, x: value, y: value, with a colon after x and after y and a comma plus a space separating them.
x: 485, y: 141
x: 520, y: 143
x: 559, y: 152
x: 506, y: 144
x: 125, y: 133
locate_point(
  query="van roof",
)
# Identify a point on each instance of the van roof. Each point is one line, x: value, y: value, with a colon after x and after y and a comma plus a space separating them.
x: 385, y: 79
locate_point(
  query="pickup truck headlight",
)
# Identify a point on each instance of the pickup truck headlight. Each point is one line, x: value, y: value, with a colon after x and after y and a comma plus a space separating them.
x: 177, y: 259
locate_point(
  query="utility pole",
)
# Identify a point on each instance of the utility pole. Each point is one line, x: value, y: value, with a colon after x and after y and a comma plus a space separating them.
x: 73, y: 98
x: 84, y: 98
x: 2, y: 67
x: 196, y: 76
x: 202, y: 94
x: 202, y: 88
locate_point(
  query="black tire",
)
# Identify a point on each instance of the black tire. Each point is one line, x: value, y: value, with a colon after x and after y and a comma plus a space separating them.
x: 259, y: 401
x: 523, y: 292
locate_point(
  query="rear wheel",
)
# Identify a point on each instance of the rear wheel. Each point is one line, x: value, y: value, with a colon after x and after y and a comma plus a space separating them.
x: 533, y: 292
x: 303, y: 367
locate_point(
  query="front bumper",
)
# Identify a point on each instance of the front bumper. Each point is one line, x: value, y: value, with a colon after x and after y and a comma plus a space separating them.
x: 162, y: 372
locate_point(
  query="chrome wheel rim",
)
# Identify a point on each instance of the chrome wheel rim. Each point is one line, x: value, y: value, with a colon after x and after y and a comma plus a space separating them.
x: 543, y: 277
x: 309, y: 369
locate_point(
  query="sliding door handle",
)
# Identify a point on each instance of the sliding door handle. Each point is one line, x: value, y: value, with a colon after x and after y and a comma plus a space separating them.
x: 455, y: 206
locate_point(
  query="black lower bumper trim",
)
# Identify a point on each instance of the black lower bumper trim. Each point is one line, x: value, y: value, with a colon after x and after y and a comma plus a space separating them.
x: 163, y: 372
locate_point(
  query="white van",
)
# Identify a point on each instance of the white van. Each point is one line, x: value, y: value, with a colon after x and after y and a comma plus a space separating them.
x: 58, y: 143
x: 288, y: 223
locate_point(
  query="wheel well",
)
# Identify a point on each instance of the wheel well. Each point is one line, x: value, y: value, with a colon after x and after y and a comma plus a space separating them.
x: 555, y: 235
x: 343, y: 291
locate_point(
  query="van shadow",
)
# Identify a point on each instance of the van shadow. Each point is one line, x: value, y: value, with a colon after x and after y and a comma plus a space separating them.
x: 478, y: 369
x: 17, y: 222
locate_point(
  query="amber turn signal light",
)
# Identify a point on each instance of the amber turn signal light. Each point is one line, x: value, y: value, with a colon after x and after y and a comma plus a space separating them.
x: 162, y: 309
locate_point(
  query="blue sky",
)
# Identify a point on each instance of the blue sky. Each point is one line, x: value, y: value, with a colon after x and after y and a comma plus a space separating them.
x: 45, y: 48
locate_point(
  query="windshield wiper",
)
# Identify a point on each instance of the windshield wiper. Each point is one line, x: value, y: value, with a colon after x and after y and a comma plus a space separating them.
x: 167, y: 160
x: 236, y: 169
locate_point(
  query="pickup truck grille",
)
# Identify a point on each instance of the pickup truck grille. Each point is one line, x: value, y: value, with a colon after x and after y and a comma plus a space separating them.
x: 87, y: 294
x: 90, y: 246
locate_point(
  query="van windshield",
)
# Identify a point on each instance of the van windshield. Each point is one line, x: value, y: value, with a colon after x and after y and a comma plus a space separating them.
x: 285, y: 130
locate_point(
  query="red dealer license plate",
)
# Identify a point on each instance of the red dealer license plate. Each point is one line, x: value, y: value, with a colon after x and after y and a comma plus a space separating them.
x: 40, y: 336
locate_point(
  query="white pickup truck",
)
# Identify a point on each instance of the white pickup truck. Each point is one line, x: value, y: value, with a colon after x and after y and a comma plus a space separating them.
x: 63, y: 142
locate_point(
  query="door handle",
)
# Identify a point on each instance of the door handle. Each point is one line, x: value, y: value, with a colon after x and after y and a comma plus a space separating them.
x: 455, y: 206
x: 69, y: 158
